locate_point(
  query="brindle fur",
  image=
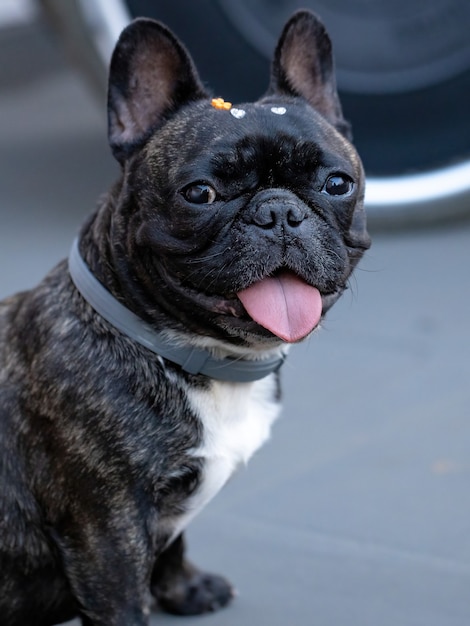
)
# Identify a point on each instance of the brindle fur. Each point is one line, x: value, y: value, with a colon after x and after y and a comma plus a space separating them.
x: 96, y: 432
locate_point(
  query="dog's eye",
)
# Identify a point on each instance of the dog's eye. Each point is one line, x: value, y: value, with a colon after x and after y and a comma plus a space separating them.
x: 200, y: 194
x: 338, y: 185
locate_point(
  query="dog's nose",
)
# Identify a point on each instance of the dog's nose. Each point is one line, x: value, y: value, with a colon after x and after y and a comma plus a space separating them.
x: 273, y: 215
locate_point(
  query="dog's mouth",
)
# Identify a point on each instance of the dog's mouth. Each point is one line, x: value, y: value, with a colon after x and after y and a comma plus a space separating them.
x: 284, y: 304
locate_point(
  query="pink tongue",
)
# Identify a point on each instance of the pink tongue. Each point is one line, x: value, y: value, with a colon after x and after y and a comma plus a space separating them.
x: 285, y: 305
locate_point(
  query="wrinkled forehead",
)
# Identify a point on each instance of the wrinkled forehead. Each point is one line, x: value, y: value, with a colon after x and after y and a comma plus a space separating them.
x: 289, y: 117
x: 205, y: 130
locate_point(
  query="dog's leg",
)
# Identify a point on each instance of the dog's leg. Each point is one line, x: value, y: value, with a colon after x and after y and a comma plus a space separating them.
x: 108, y: 568
x: 182, y: 589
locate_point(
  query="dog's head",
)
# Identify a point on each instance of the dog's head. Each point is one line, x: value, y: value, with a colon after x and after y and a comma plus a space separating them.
x: 241, y: 223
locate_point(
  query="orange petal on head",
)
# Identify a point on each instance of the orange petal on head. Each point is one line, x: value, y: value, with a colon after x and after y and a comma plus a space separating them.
x: 219, y: 103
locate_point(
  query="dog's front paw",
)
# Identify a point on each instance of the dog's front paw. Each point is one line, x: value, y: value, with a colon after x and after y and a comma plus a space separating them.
x: 194, y: 593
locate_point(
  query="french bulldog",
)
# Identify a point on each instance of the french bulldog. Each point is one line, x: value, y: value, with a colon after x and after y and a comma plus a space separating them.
x: 139, y: 374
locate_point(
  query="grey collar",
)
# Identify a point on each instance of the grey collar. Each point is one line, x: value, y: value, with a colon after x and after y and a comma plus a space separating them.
x: 192, y: 360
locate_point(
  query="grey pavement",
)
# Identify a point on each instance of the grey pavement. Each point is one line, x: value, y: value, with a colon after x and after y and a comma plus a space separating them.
x: 357, y: 512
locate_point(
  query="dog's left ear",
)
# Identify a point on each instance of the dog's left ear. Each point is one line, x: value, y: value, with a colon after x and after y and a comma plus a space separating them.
x: 151, y: 76
x: 303, y: 66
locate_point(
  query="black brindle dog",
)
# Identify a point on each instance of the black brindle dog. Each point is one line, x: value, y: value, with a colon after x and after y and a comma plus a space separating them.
x: 137, y: 377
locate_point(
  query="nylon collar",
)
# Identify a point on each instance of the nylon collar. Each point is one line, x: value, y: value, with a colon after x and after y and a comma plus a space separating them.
x: 192, y: 360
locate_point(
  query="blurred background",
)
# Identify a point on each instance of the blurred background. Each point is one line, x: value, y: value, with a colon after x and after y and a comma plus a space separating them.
x: 358, y: 510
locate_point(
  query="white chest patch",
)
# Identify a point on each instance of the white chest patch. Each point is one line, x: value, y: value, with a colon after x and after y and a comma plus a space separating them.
x: 236, y: 420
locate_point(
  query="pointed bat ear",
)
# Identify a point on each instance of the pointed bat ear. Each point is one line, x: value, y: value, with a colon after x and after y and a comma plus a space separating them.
x: 151, y: 76
x: 303, y: 66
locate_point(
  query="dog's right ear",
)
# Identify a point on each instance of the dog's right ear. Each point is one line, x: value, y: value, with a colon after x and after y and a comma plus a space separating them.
x: 151, y: 75
x: 303, y: 66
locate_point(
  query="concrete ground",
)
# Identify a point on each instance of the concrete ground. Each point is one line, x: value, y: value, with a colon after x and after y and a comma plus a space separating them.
x: 357, y: 512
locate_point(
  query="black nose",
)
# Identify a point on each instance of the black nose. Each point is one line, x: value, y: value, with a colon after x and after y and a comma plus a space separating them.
x: 276, y: 211
x: 273, y: 215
